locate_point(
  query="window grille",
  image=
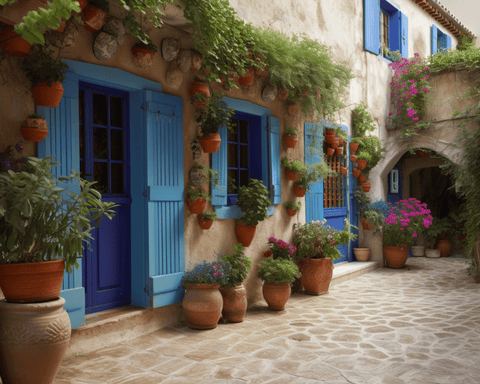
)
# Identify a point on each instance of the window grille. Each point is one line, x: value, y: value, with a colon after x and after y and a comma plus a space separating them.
x: 334, y: 187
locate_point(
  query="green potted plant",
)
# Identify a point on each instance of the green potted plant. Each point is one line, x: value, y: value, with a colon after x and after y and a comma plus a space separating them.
x: 197, y: 200
x: 373, y: 146
x: 363, y: 157
x: 311, y: 175
x: 290, y: 137
x: 431, y: 235
x: 292, y: 208
x: 206, y: 219
x: 47, y: 76
x: 317, y: 245
x: 233, y: 291
x: 341, y: 134
x: 354, y: 144
x: 211, y: 119
x: 34, y: 128
x: 278, y: 271
x: 362, y: 121
x: 200, y: 93
x: 202, y: 302
x: 254, y: 202
x: 293, y: 168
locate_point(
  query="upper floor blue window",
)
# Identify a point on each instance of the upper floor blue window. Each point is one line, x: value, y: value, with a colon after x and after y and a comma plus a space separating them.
x: 441, y: 42
x: 384, y: 26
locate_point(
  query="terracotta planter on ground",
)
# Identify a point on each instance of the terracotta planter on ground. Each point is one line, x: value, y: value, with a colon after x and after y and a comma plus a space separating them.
x: 47, y: 95
x: 361, y: 164
x: 34, y: 340
x: 444, y: 246
x: 205, y: 223
x: 202, y: 305
x: 234, y: 303
x: 366, y: 186
x: 245, y: 233
x: 362, y: 178
x: 361, y: 254
x: 93, y: 18
x: 198, y: 206
x: 199, y: 88
x: 290, y: 141
x: 32, y: 282
x: 293, y: 176
x: 316, y: 275
x: 356, y: 172
x: 17, y: 46
x: 330, y: 151
x: 276, y: 295
x: 354, y: 147
x: 395, y: 256
x: 299, y: 191
x: 210, y: 143
x: 248, y: 78
x: 292, y: 212
x: 418, y: 250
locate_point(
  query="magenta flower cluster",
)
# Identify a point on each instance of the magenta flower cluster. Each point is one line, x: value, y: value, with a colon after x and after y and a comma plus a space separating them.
x: 281, y: 249
x: 409, y: 84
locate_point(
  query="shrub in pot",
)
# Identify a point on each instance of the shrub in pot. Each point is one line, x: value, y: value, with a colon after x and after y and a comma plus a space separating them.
x: 47, y: 76
x: 341, y: 134
x: 202, y: 302
x: 197, y: 200
x: 233, y: 292
x: 362, y: 159
x: 292, y: 208
x: 254, y: 202
x: 293, y: 168
x: 290, y: 137
x: 206, y: 219
x: 311, y: 175
x: 316, y: 249
x: 34, y: 128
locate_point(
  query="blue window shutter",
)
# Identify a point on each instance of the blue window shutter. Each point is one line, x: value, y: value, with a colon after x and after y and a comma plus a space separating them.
x: 404, y: 35
x: 219, y: 164
x: 62, y: 142
x: 371, y: 25
x: 165, y: 197
x: 434, y: 39
x: 314, y: 198
x: 448, y: 43
x: 395, y: 35
x: 274, y: 152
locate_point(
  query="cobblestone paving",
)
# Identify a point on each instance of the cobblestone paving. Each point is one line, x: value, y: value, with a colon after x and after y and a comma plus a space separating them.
x: 417, y: 325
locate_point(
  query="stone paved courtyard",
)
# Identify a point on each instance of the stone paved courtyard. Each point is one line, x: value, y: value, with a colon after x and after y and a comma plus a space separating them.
x: 417, y: 325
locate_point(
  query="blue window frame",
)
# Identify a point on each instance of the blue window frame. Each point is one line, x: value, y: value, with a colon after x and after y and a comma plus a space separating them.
x: 441, y: 42
x: 384, y: 25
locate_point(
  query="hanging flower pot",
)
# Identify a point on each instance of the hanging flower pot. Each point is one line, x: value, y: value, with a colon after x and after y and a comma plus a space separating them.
x: 290, y: 141
x: 354, y: 147
x: 353, y: 158
x: 395, y: 256
x: 329, y: 132
x: 356, y: 172
x: 343, y: 170
x: 330, y: 151
x: 341, y: 140
x: 247, y: 78
x: 361, y: 164
x: 34, y: 129
x: 47, y: 95
x: 93, y: 18
x: 339, y: 150
x: 421, y: 153
x: 316, y: 275
x: 292, y: 212
x: 299, y: 191
x: 17, y: 46
x: 245, y: 233
x: 329, y: 139
x: 199, y: 88
x: 366, y: 225
x: 293, y: 176
x: 202, y: 305
x: 261, y: 72
x: 210, y: 143
x: 334, y: 144
x: 366, y: 186
x: 197, y: 206
x: 293, y: 109
x: 276, y: 294
x: 204, y: 223
x: 362, y: 178
x: 234, y: 303
x: 282, y: 94
x: 143, y: 55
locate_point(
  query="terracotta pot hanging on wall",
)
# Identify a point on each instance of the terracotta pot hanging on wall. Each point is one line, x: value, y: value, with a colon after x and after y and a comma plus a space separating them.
x: 299, y: 191
x: 11, y: 43
x: 245, y: 233
x: 47, y: 95
x: 93, y: 18
x: 210, y: 143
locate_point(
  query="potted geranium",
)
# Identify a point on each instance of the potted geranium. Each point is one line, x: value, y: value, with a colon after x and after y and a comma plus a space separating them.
x: 254, y: 202
x: 211, y: 119
x: 290, y: 137
x: 47, y: 76
x: 402, y: 225
x: 34, y: 128
x: 316, y: 249
x: 293, y: 168
x: 292, y: 208
x: 278, y: 271
x: 311, y: 175
x: 206, y: 219
x: 203, y: 303
x: 233, y: 291
x: 197, y: 200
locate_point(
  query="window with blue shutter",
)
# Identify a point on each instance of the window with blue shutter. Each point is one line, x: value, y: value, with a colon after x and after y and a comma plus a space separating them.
x: 251, y: 152
x: 440, y: 41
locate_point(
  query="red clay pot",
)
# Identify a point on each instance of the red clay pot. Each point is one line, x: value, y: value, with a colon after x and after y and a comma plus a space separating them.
x: 202, y: 305
x: 353, y: 158
x: 334, y: 143
x: 361, y: 164
x: 245, y: 233
x: 361, y: 254
x: 33, y: 134
x: 316, y: 275
x: 356, y: 172
x: 354, y: 147
x: 341, y: 140
x: 143, y: 56
x: 299, y: 191
x: 444, y: 246
x: 282, y: 94
x: 421, y: 153
x: 362, y: 178
x: 290, y: 141
x: 15, y: 47
x: 47, y: 95
x: 32, y: 282
x: 329, y: 132
x: 395, y: 256
x: 366, y: 225
x: 329, y: 139
x: 366, y: 186
x: 330, y: 151
x: 248, y: 78
x: 210, y: 143
x: 293, y: 176
x: 339, y: 150
x: 343, y: 170
x: 293, y: 109
x: 276, y: 294
x: 205, y: 223
x: 93, y: 18
x: 234, y: 303
x: 202, y: 89
x: 292, y: 212
x: 198, y: 206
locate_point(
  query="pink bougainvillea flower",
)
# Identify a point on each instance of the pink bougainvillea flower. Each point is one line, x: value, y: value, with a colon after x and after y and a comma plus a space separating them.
x: 407, y: 97
x: 425, y: 89
x: 401, y: 229
x: 428, y: 76
x: 426, y: 68
x: 404, y: 84
x: 390, y: 114
x: 416, y: 54
x: 409, y: 103
x: 389, y: 203
x: 391, y: 95
x: 399, y: 112
x: 412, y: 81
x: 415, y: 118
x: 400, y: 104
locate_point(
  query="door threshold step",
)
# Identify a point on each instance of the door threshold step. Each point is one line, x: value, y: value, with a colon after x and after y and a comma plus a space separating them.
x: 349, y: 270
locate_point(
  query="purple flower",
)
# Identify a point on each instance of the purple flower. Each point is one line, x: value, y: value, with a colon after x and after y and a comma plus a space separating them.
x: 425, y: 89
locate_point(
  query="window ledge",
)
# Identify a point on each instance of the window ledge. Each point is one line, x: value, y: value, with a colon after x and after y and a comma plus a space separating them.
x: 234, y: 211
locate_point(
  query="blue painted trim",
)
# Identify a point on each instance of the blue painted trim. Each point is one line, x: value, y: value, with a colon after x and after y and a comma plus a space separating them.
x: 167, y: 289
x: 234, y: 211
x: 335, y: 212
x: 246, y: 107
x: 433, y: 39
x: 75, y: 305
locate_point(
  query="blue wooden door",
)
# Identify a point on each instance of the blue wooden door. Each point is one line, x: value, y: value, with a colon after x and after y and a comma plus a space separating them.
x: 104, y: 154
